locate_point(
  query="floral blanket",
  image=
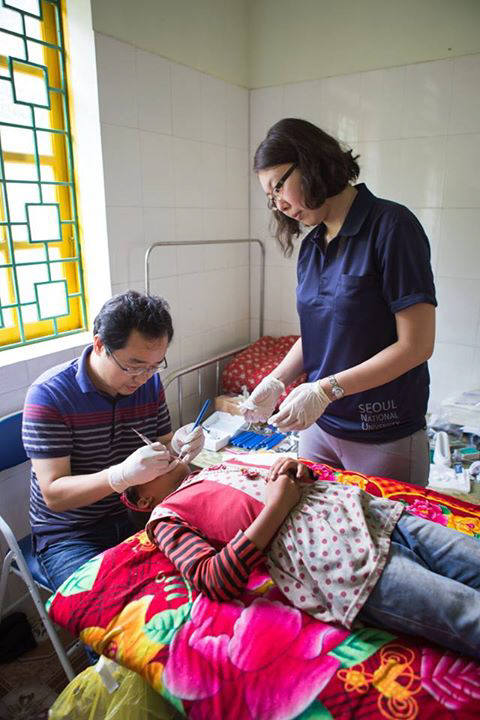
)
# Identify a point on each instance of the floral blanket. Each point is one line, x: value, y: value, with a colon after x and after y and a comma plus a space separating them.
x: 258, y: 658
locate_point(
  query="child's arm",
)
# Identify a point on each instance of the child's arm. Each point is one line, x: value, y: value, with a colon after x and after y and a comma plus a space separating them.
x: 222, y: 575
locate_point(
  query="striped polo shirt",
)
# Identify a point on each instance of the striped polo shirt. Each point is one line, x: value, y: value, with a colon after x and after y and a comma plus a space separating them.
x: 65, y: 415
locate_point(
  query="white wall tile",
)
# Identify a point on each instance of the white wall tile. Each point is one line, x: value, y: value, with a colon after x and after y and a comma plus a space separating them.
x: 214, y: 110
x: 430, y: 219
x: 189, y: 226
x: 160, y: 227
x: 125, y: 231
x: 215, y: 223
x: 187, y: 105
x: 266, y: 108
x: 459, y: 310
x: 154, y: 92
x: 341, y: 103
x: 38, y: 366
x: 214, y: 176
x: 465, y: 112
x: 156, y: 166
x: 304, y: 100
x: 427, y: 98
x: 237, y: 178
x: 237, y: 223
x: 237, y: 114
x: 459, y: 250
x: 409, y: 171
x: 381, y: 104
x: 14, y: 377
x: 117, y: 87
x: 422, y: 174
x: 451, y: 372
x: 462, y: 183
x: 12, y: 401
x: 121, y: 163
x: 187, y: 168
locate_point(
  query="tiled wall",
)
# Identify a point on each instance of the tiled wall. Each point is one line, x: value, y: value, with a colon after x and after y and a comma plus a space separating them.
x: 417, y: 130
x: 175, y: 153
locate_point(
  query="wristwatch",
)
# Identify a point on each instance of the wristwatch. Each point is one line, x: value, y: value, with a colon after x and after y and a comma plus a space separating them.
x: 337, y: 390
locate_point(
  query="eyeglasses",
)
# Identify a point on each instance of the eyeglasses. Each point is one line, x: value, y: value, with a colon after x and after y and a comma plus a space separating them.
x: 272, y: 205
x: 134, y: 372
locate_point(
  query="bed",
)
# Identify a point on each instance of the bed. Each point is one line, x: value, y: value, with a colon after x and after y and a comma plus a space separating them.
x: 258, y: 658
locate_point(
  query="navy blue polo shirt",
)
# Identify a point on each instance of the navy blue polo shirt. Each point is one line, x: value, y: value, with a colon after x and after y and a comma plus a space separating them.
x: 347, y: 297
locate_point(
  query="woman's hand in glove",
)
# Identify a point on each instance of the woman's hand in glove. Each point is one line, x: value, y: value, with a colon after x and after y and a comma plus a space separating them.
x: 261, y: 403
x: 301, y: 408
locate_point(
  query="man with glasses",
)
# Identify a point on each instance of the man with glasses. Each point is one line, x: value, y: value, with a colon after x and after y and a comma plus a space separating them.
x: 80, y: 428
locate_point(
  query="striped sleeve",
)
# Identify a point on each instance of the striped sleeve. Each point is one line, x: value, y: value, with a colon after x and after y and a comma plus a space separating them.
x: 44, y: 432
x: 221, y: 575
x: 164, y: 424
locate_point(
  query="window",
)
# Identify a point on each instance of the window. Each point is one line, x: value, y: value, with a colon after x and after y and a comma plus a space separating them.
x: 41, y: 278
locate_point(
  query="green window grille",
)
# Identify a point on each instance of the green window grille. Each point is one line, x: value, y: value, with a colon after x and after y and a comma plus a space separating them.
x: 42, y: 292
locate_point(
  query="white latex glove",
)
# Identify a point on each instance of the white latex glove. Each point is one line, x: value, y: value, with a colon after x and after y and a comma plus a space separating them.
x: 301, y: 407
x: 261, y: 403
x: 146, y: 463
x: 187, y: 443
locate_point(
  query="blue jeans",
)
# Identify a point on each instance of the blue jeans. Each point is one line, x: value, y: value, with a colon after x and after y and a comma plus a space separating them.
x: 430, y: 586
x: 62, y: 558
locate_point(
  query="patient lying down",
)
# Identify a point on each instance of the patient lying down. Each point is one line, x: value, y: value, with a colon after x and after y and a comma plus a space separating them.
x: 335, y: 551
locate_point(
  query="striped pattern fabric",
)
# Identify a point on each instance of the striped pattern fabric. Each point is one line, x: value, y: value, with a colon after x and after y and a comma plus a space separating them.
x: 219, y: 574
x: 66, y: 416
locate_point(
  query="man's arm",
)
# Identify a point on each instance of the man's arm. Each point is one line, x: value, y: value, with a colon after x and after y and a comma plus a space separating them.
x: 63, y: 491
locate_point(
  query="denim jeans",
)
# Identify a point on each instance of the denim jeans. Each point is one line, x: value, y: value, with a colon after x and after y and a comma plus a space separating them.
x: 62, y: 558
x: 430, y: 586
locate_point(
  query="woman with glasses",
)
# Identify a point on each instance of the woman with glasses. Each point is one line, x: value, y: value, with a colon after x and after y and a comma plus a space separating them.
x: 366, y: 302
x: 97, y: 425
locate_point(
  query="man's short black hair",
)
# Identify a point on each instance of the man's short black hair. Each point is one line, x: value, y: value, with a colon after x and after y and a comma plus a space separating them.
x: 131, y: 310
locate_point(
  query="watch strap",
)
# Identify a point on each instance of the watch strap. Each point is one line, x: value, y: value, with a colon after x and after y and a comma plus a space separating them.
x: 337, y: 389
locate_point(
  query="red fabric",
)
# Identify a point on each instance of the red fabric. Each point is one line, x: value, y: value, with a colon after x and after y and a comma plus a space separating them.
x: 219, y: 510
x: 253, y: 364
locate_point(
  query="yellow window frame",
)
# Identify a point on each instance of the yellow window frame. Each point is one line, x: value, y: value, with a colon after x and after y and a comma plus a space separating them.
x: 61, y: 168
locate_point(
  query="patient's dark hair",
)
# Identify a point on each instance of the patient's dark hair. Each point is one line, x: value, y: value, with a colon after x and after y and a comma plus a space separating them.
x: 325, y: 168
x: 148, y: 314
x: 131, y: 493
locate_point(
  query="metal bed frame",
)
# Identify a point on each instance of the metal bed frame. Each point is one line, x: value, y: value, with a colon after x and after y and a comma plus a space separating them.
x: 217, y: 359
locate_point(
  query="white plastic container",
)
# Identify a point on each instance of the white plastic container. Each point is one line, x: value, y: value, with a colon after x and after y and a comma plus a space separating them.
x: 220, y: 427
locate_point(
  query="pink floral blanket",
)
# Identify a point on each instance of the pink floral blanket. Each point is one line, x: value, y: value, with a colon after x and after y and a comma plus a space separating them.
x: 258, y: 658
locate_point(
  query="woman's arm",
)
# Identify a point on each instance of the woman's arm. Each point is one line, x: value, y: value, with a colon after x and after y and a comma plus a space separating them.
x: 416, y: 337
x: 292, y: 364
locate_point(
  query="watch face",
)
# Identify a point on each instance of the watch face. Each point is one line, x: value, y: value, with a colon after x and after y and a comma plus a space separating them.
x: 338, y: 392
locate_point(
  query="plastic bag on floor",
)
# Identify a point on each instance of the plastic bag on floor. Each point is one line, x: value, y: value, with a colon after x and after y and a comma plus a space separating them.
x: 107, y: 691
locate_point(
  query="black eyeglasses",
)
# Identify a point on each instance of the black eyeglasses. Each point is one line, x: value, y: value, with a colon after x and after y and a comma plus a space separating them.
x: 134, y: 372
x: 272, y: 205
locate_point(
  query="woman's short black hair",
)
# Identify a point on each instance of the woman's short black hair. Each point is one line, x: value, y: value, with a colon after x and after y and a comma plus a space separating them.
x: 131, y: 310
x: 325, y: 167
